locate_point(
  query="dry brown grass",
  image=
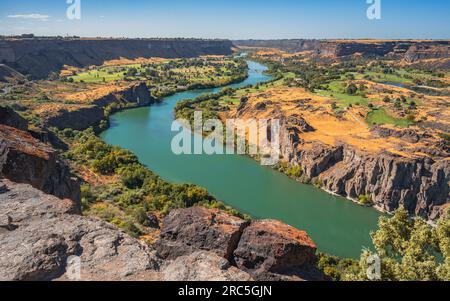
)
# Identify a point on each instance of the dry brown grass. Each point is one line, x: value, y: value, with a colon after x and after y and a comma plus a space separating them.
x: 347, y: 128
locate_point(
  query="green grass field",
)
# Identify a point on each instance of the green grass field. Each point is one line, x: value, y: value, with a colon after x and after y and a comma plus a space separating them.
x: 380, y: 116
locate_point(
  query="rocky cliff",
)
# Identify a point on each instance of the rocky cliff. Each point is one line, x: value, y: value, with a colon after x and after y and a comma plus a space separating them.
x: 426, y: 51
x: 43, y: 238
x: 82, y: 116
x: 267, y: 249
x: 390, y: 181
x: 411, y: 51
x: 24, y: 159
x: 39, y: 57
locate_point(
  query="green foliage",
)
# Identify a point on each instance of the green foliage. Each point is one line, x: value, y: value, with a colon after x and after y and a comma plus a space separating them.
x: 104, y: 158
x: 365, y: 200
x: 410, y: 249
x: 445, y: 136
x: 139, y: 191
x: 134, y: 176
x: 294, y: 172
x: 351, y: 89
x: 336, y: 268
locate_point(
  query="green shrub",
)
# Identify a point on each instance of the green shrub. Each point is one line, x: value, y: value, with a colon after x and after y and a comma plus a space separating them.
x: 134, y: 176
x: 365, y: 200
x: 130, y: 197
x: 295, y: 172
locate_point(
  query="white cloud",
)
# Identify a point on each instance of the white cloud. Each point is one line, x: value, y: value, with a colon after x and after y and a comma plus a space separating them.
x: 30, y: 16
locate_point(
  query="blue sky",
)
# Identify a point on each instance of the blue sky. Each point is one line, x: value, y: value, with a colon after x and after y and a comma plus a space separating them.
x: 232, y: 19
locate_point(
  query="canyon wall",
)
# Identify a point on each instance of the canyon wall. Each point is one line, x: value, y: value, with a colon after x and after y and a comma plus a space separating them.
x: 411, y: 51
x: 39, y: 57
x: 81, y: 117
x: 24, y: 159
x: 390, y: 181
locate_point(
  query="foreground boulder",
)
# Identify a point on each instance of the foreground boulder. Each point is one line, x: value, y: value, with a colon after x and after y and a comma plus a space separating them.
x: 24, y: 159
x: 267, y: 250
x: 203, y: 266
x: 43, y: 233
x: 187, y: 230
x: 271, y: 250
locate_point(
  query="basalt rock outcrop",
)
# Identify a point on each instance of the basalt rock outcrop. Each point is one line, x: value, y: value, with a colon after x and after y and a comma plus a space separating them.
x: 38, y: 57
x: 45, y: 232
x: 198, y: 228
x: 411, y: 51
x: 81, y: 117
x: 421, y: 185
x: 203, y: 266
x: 427, y: 51
x: 24, y: 159
x: 267, y: 250
x: 7, y: 74
x: 271, y: 250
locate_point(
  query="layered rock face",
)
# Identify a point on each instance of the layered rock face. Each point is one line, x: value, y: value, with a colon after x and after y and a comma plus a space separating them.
x: 293, y: 45
x: 267, y: 250
x: 40, y: 57
x: 425, y: 51
x: 24, y: 159
x: 81, y: 117
x: 411, y: 51
x: 420, y: 185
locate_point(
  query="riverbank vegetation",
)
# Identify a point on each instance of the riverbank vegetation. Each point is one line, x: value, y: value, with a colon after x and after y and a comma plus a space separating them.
x: 406, y: 250
x: 120, y: 190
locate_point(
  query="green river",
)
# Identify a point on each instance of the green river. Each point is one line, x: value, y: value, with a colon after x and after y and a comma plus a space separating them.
x: 338, y: 226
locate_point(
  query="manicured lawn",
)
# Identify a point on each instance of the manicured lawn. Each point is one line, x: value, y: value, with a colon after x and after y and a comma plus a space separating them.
x: 380, y: 116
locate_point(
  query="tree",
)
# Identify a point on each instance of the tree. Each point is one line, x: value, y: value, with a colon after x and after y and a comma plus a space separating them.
x: 362, y: 87
x: 410, y: 249
x: 351, y: 89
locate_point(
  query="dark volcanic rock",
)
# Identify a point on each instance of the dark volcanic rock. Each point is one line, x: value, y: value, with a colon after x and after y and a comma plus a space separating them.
x: 202, y: 266
x: 45, y: 234
x: 10, y: 118
x: 271, y: 250
x: 261, y: 106
x: 152, y: 221
x: 420, y: 185
x: 427, y: 51
x: 300, y: 122
x: 197, y: 228
x: 24, y: 159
